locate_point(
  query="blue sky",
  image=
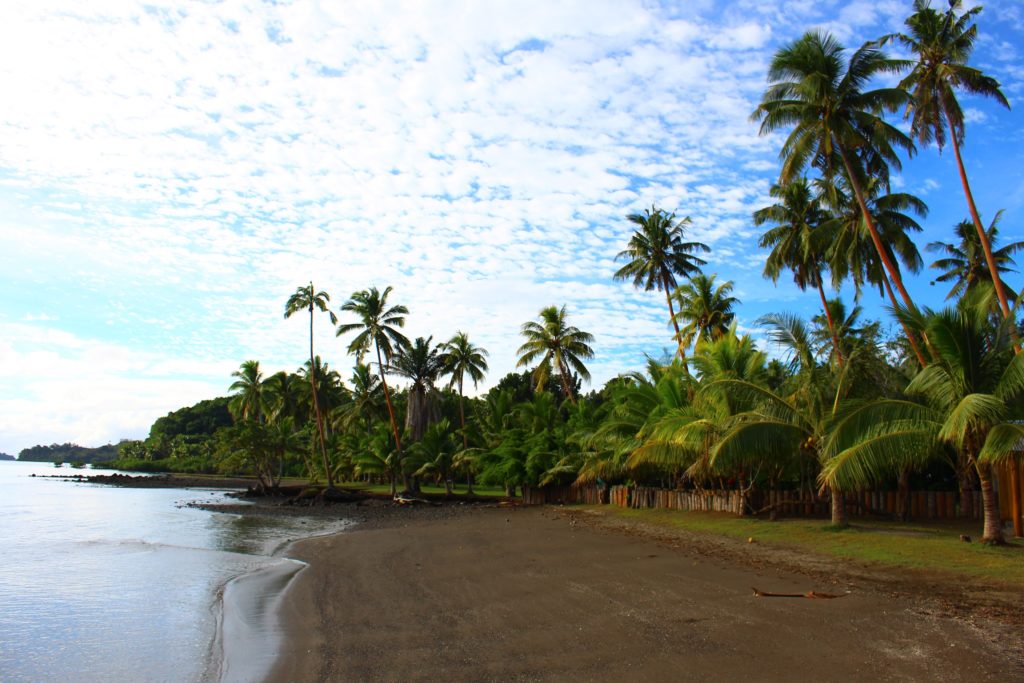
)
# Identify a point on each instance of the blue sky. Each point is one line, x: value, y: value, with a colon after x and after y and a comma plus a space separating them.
x: 171, y: 172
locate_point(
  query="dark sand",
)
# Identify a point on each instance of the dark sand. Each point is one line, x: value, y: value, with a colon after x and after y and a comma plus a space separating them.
x: 490, y: 594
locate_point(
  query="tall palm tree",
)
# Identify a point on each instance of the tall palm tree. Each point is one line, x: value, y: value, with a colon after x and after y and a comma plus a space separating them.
x: 248, y: 402
x: 943, y: 42
x: 836, y: 123
x: 306, y: 298
x: 964, y: 264
x: 377, y: 327
x: 656, y: 255
x: 797, y: 241
x: 705, y: 308
x: 462, y: 358
x: 558, y: 347
x: 423, y: 366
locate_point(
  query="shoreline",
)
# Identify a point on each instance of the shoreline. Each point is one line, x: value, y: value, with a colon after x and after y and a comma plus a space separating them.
x: 550, y: 594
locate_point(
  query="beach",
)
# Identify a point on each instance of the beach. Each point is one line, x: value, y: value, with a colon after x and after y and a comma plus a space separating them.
x: 546, y: 594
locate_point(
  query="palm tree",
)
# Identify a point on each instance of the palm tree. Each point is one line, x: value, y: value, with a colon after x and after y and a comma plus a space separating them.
x: 376, y: 327
x: 965, y: 263
x: 436, y: 453
x: 248, y: 402
x: 282, y: 396
x: 308, y: 299
x: 462, y: 357
x: 560, y: 348
x: 836, y: 123
x: 797, y: 241
x: 423, y: 366
x: 656, y: 254
x: 969, y: 399
x: 943, y: 42
x: 705, y: 308
x: 367, y: 402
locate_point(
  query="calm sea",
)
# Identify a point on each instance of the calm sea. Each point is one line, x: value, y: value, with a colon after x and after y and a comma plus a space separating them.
x: 101, y: 583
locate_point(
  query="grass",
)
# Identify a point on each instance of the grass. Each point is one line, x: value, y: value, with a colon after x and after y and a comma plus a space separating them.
x: 931, y: 546
x: 493, y: 491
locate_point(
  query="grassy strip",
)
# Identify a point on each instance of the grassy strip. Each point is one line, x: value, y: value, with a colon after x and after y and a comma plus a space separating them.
x: 935, y: 547
x: 494, y: 491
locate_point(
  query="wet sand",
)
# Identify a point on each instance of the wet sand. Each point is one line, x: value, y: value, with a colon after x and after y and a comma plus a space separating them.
x: 534, y: 594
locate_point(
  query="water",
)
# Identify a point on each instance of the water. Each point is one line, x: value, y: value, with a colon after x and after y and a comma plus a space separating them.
x: 101, y: 583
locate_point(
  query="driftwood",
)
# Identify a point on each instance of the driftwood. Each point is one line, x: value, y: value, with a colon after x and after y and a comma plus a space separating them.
x: 813, y: 595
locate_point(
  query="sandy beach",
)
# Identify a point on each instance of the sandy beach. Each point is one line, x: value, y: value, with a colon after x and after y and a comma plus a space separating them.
x: 543, y: 594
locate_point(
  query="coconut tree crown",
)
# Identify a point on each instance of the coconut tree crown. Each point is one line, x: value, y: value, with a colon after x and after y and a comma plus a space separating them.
x: 943, y: 43
x: 377, y: 324
x: 559, y: 347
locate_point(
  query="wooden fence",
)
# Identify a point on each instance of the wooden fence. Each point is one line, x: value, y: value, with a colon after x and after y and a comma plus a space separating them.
x: 923, y: 504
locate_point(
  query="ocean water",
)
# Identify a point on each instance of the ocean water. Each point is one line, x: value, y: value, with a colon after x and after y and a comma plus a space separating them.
x: 101, y: 583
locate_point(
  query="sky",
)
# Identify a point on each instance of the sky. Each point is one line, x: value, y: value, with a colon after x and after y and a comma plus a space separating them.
x: 171, y: 172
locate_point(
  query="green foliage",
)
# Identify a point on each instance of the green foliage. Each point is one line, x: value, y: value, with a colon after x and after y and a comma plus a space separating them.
x: 68, y: 452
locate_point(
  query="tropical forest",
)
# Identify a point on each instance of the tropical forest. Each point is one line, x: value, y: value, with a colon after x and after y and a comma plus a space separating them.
x: 824, y: 409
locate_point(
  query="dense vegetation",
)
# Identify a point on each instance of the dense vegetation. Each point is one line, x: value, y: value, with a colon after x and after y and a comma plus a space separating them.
x: 847, y: 405
x: 70, y: 453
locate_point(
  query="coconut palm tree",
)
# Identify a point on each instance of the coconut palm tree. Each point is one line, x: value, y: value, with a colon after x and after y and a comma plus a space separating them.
x: 836, y: 123
x: 377, y: 327
x: 968, y: 398
x: 558, y: 347
x: 706, y: 309
x: 964, y: 264
x: 367, y: 402
x: 306, y: 298
x: 461, y: 358
x: 656, y: 255
x: 283, y: 397
x: 436, y: 453
x: 248, y: 402
x: 423, y: 366
x: 797, y: 240
x: 943, y: 42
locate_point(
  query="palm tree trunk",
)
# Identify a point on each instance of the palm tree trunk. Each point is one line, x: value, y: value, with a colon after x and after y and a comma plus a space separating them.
x: 387, y: 398
x: 993, y: 524
x: 910, y: 337
x: 831, y: 324
x: 675, y: 323
x: 880, y: 248
x: 462, y: 417
x: 839, y: 518
x: 316, y: 401
x: 565, y: 383
x: 982, y: 235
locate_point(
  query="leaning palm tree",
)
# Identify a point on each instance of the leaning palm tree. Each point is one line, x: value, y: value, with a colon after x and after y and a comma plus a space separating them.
x: 248, y: 402
x: 462, y: 358
x: 656, y: 255
x: 836, y: 123
x: 308, y: 299
x: 377, y: 327
x: 964, y: 264
x: 706, y: 309
x: 943, y: 42
x: 558, y: 347
x: 798, y: 241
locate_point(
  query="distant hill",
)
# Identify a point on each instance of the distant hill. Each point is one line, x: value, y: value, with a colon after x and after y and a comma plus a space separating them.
x: 4, y: 456
x: 69, y: 452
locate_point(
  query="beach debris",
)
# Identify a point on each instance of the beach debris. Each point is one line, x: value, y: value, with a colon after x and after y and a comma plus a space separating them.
x: 750, y: 539
x: 813, y: 595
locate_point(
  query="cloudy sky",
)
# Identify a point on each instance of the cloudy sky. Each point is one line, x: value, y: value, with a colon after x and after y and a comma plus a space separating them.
x: 171, y: 172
